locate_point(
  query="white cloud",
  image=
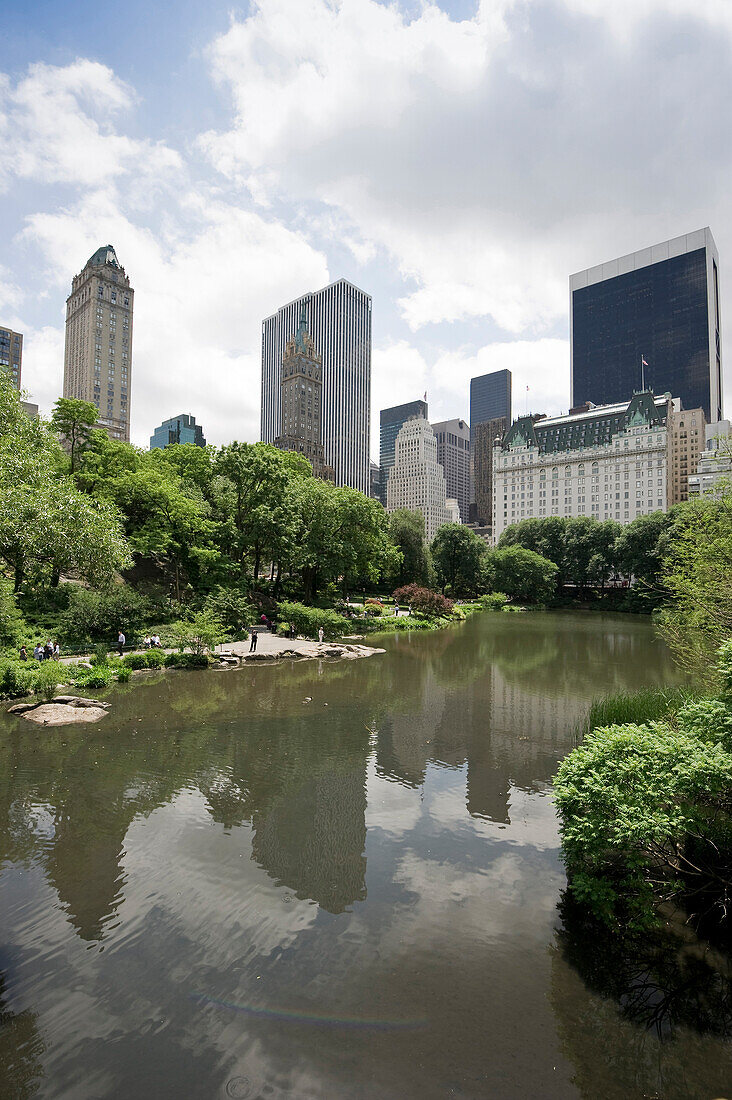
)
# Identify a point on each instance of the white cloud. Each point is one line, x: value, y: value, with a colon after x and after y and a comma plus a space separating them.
x: 60, y: 123
x: 486, y: 158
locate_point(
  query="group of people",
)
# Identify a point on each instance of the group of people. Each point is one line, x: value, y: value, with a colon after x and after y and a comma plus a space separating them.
x: 48, y: 652
x: 152, y: 641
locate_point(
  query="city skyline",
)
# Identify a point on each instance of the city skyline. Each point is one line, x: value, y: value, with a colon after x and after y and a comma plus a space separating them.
x: 220, y: 219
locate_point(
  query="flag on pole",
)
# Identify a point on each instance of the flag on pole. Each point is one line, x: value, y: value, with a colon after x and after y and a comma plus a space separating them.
x: 645, y: 364
x: 425, y: 394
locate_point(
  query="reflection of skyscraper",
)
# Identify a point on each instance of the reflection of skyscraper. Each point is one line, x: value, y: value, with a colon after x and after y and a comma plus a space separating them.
x: 312, y: 838
x: 660, y: 304
x: 339, y: 322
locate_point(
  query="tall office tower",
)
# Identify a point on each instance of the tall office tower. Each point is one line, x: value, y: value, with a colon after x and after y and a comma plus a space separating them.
x: 391, y: 422
x: 686, y: 442
x: 490, y: 398
x: 339, y: 321
x: 416, y: 480
x: 453, y: 454
x: 374, y: 481
x: 11, y: 354
x: 179, y: 429
x: 302, y: 385
x: 486, y: 435
x: 660, y: 304
x: 98, y: 356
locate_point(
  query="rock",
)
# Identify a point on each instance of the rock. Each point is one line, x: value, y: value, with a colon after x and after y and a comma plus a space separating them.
x: 260, y: 657
x: 21, y: 708
x: 80, y: 701
x: 61, y: 714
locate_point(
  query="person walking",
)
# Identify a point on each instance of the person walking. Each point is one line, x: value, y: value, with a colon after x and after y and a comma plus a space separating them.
x: 121, y: 643
x: 320, y: 634
x: 56, y: 651
x: 23, y: 655
x: 253, y: 642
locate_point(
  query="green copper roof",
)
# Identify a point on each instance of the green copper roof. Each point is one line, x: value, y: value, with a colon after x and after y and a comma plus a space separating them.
x: 588, y: 429
x: 104, y: 255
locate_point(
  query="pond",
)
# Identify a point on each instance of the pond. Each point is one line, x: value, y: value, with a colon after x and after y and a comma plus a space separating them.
x: 333, y: 880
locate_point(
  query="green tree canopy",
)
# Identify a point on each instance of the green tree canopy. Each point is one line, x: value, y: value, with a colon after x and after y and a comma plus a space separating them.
x: 74, y: 420
x: 523, y: 575
x: 457, y: 553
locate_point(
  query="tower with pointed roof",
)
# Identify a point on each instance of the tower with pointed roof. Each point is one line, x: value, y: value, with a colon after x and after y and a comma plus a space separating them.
x: 98, y: 352
x: 301, y: 391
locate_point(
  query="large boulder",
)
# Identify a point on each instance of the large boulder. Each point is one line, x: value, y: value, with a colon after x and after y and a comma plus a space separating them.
x: 62, y: 710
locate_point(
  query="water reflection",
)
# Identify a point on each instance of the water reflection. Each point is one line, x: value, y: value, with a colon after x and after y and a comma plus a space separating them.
x: 249, y: 883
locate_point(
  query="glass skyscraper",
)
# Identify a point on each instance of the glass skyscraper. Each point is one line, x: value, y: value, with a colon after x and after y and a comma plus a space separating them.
x: 660, y: 304
x: 179, y: 429
x: 390, y: 423
x: 490, y: 399
x: 338, y: 318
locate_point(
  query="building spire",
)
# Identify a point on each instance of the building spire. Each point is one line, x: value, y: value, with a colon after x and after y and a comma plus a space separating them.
x: 300, y: 335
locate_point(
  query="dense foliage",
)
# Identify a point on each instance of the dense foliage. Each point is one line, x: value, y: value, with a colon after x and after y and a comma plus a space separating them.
x: 646, y: 812
x: 520, y: 574
x: 423, y: 600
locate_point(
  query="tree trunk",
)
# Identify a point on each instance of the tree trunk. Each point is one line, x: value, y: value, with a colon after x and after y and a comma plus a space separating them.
x: 257, y: 555
x: 278, y: 580
x: 55, y: 576
x: 19, y: 572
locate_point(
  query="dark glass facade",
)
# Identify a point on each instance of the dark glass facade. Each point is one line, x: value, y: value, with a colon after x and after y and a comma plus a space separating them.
x: 179, y: 429
x: 390, y: 423
x: 660, y: 312
x: 490, y: 398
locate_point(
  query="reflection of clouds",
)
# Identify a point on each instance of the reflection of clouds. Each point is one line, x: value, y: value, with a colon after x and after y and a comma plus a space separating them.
x: 391, y: 807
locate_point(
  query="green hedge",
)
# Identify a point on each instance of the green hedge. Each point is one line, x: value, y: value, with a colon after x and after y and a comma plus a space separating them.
x: 151, y: 658
x: 186, y: 660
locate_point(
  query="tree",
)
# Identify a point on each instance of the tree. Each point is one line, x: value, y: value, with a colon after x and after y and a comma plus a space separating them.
x: 698, y: 576
x: 642, y: 545
x: 74, y: 420
x: 521, y: 574
x: 457, y: 552
x: 407, y: 532
x: 544, y: 536
x: 423, y: 600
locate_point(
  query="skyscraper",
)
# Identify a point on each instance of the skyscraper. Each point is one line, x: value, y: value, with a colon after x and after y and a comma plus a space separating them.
x: 660, y: 304
x: 490, y: 400
x: 416, y: 480
x: 338, y: 318
x: 390, y: 424
x: 302, y: 385
x: 453, y: 454
x: 179, y: 429
x: 98, y: 356
x: 483, y: 444
x: 11, y: 355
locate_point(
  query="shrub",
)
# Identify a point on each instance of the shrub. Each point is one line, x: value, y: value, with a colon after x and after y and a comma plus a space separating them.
x: 16, y: 678
x: 423, y: 600
x: 123, y: 674
x: 494, y: 601
x: 308, y: 620
x: 100, y: 676
x: 101, y: 654
x: 186, y: 660
x: 47, y: 678
x: 151, y: 658
x: 97, y: 616
x: 645, y: 705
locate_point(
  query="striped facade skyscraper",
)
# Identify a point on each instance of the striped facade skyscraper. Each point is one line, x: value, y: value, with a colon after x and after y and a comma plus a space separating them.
x: 338, y: 319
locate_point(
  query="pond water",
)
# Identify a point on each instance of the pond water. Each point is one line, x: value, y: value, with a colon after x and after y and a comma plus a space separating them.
x: 332, y: 880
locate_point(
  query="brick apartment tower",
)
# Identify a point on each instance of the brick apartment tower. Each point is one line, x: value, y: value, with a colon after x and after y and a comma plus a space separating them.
x: 98, y: 355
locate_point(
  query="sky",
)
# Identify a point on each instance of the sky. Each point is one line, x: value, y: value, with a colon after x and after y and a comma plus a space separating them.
x: 457, y: 160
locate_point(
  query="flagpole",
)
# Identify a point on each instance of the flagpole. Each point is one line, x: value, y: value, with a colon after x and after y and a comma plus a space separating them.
x: 643, y: 377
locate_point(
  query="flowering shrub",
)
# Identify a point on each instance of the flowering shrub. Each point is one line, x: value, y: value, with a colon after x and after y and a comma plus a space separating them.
x: 423, y: 600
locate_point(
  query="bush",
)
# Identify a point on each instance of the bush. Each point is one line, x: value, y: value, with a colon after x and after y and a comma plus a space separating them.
x: 186, y: 660
x: 494, y: 601
x: 100, y: 676
x: 97, y: 616
x: 308, y: 620
x: 645, y: 705
x: 47, y: 678
x: 151, y: 658
x: 16, y: 678
x: 423, y: 600
x: 123, y: 674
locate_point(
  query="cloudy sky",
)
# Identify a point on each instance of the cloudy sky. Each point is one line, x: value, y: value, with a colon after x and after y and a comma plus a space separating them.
x: 457, y: 160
